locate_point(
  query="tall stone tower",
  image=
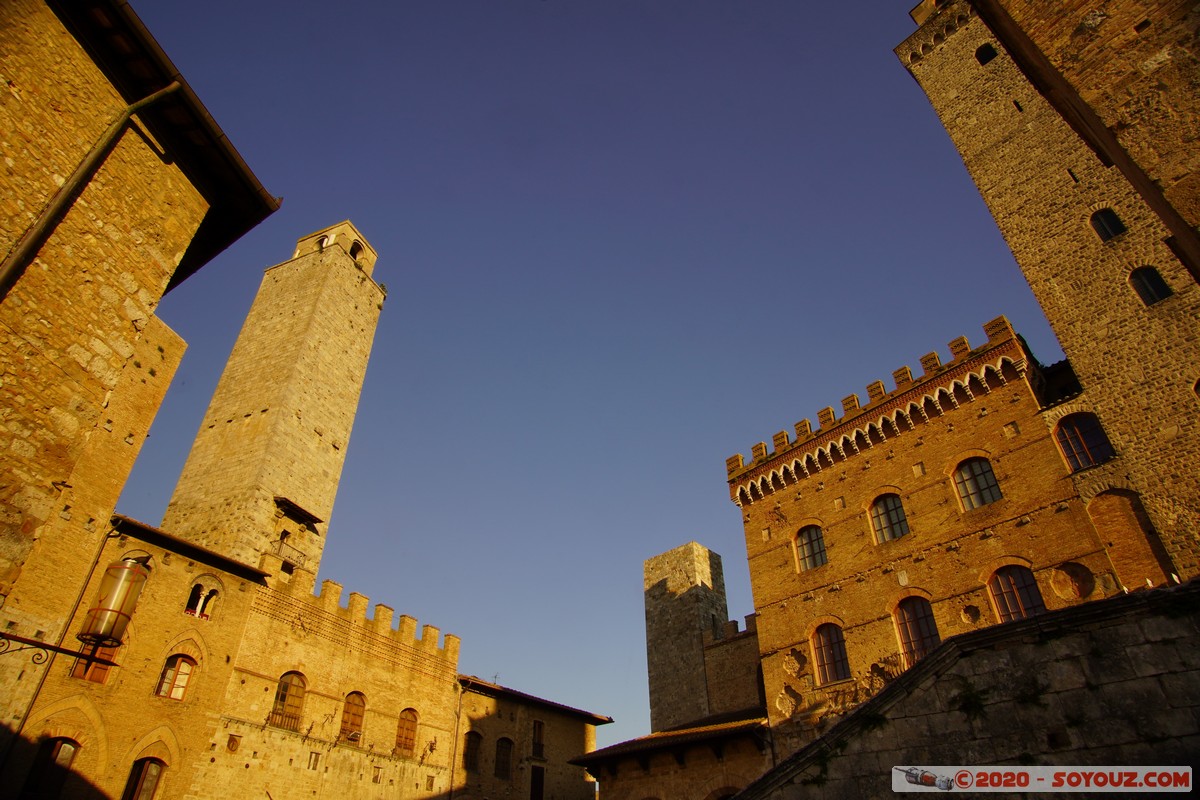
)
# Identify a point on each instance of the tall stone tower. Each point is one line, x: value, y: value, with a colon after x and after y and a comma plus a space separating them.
x: 685, y: 599
x: 260, y: 481
x: 1077, y: 123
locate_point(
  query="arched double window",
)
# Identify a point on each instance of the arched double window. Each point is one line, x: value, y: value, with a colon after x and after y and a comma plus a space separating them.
x: 888, y: 518
x: 976, y: 483
x: 174, y: 679
x: 916, y: 628
x: 1082, y: 441
x: 352, y: 717
x: 1015, y: 593
x: 289, y: 702
x: 406, y: 732
x: 829, y: 654
x: 202, y: 600
x: 810, y: 547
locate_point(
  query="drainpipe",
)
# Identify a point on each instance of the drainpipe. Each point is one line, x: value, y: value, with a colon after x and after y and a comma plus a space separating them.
x: 23, y: 252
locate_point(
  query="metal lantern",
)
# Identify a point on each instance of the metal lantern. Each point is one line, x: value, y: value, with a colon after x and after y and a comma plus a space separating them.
x: 119, y: 590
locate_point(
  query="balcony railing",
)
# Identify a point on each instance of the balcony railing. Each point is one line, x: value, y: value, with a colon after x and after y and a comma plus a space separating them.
x: 282, y: 719
x: 289, y: 554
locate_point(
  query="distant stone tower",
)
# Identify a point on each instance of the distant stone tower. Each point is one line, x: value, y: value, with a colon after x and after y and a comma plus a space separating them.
x: 685, y: 600
x: 261, y: 478
x: 1076, y: 122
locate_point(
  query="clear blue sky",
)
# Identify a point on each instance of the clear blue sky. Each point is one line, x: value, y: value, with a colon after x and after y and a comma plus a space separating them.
x: 623, y: 241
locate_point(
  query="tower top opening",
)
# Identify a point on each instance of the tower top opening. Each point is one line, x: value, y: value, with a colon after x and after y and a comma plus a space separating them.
x: 343, y: 235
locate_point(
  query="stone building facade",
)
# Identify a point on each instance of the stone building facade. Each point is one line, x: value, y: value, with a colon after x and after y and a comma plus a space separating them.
x: 117, y: 185
x: 1077, y: 122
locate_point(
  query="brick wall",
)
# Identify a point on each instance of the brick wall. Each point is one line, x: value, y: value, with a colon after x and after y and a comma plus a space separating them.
x: 980, y: 404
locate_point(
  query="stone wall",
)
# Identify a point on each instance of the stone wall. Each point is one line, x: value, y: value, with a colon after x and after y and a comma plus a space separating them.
x: 684, y: 592
x: 84, y: 363
x: 1042, y: 183
x: 1114, y: 682
x: 1134, y: 62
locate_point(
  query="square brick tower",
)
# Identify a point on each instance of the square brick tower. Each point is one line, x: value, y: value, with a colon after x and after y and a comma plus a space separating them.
x: 262, y: 475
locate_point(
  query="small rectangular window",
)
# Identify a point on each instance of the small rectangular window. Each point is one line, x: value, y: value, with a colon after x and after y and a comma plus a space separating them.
x: 89, y: 669
x: 314, y: 760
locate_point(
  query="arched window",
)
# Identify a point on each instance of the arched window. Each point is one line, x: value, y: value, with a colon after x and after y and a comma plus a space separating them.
x: 356, y: 250
x: 201, y: 601
x: 976, y: 483
x: 1107, y: 224
x: 888, y: 519
x: 1015, y: 593
x: 352, y: 717
x: 50, y: 768
x: 810, y: 547
x: 175, y: 676
x: 1149, y: 285
x: 504, y: 749
x: 985, y: 53
x: 406, y: 732
x: 143, y: 779
x: 471, y: 746
x: 917, y: 629
x: 321, y: 242
x: 1082, y: 441
x: 289, y: 702
x: 829, y: 654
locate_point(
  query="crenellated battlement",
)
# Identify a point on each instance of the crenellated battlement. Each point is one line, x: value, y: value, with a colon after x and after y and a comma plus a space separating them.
x: 914, y: 401
x: 326, y: 607
x: 730, y: 630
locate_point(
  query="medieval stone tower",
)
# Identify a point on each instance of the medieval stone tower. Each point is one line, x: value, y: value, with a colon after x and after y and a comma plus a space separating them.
x: 260, y: 481
x: 1077, y: 123
x: 685, y: 600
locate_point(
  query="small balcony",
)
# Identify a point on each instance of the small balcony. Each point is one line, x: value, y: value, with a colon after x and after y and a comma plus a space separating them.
x: 289, y: 554
x: 282, y: 719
